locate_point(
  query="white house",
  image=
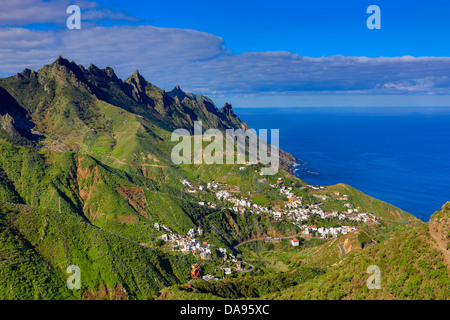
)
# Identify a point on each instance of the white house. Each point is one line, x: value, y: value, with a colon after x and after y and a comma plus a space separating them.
x: 191, y: 233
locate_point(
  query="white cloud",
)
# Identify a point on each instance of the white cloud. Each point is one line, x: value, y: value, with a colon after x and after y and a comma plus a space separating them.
x: 200, y: 62
x: 125, y: 48
x: 21, y: 13
x: 285, y: 72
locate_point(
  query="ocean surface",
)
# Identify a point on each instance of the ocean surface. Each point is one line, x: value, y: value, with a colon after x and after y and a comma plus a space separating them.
x: 398, y: 155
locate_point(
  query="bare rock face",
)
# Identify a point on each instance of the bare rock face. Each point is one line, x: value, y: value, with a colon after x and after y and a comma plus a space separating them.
x: 227, y: 110
x: 67, y: 92
x: 27, y: 74
x: 440, y: 226
x: 7, y: 124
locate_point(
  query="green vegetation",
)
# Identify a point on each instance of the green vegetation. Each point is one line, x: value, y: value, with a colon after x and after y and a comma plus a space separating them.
x: 410, y: 269
x: 86, y: 172
x: 31, y: 237
x: 273, y: 257
x: 250, y: 287
x: 361, y: 200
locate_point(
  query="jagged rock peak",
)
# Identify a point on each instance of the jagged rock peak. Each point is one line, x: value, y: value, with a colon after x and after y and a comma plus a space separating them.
x: 93, y: 69
x: 61, y: 61
x: 178, y: 93
x: 27, y: 74
x: 110, y: 72
x: 228, y: 110
x: 138, y: 75
x: 138, y: 78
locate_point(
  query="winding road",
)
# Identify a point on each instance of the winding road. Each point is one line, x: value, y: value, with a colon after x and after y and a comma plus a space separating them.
x: 341, y: 246
x: 258, y: 239
x: 343, y: 252
x: 264, y: 238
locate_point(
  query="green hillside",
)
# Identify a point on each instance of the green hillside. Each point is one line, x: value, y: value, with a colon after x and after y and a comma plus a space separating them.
x: 412, y: 265
x: 87, y: 179
x: 39, y: 244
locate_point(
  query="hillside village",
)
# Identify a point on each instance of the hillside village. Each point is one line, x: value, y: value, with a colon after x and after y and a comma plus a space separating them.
x: 186, y: 244
x: 190, y: 244
x: 295, y: 210
x: 87, y: 179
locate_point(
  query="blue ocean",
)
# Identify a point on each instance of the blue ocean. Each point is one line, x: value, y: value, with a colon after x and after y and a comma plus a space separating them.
x: 399, y: 155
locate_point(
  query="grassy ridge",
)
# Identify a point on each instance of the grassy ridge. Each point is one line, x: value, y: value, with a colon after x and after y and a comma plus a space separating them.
x: 410, y: 269
x: 359, y: 199
x: 250, y: 287
x: 43, y: 243
x: 87, y: 187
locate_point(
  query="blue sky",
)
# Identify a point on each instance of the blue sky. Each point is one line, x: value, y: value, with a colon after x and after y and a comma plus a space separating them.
x: 310, y: 28
x: 250, y: 53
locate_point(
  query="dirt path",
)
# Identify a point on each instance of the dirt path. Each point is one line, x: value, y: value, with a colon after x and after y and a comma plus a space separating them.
x: 341, y: 246
x: 343, y: 252
x: 251, y: 268
x: 264, y: 238
x: 138, y: 165
x: 259, y: 239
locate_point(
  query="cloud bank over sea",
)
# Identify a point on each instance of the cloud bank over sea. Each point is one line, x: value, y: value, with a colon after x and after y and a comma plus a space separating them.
x: 33, y: 33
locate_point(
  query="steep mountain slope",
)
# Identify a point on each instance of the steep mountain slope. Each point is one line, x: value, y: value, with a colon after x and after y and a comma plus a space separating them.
x: 92, y: 110
x: 412, y: 264
x: 39, y: 244
x: 439, y: 228
x: 40, y: 91
x: 385, y: 211
x: 86, y: 172
x: 85, y: 155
